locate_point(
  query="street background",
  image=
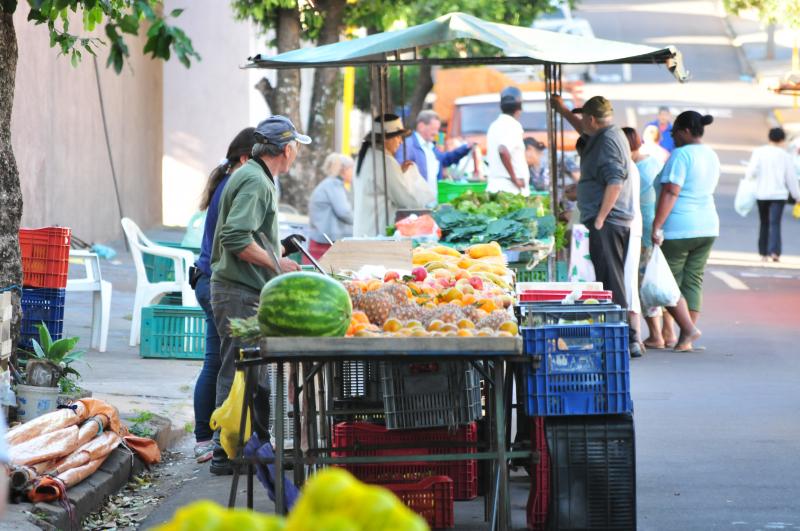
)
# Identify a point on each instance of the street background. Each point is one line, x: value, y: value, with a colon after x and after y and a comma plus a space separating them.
x: 717, y: 432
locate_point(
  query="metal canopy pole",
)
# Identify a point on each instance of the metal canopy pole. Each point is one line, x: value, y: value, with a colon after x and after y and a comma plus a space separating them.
x: 373, y: 147
x: 403, y: 109
x: 382, y: 99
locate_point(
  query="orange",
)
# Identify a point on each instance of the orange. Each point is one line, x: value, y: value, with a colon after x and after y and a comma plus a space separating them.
x: 465, y: 323
x: 372, y: 285
x: 487, y: 305
x: 435, y: 325
x: 464, y: 332
x: 510, y: 327
x: 468, y: 299
x: 392, y: 325
x: 360, y: 317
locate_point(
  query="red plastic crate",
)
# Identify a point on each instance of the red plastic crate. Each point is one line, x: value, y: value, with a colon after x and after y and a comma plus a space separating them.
x: 558, y: 295
x: 539, y: 496
x: 354, y: 435
x: 45, y: 256
x: 431, y: 498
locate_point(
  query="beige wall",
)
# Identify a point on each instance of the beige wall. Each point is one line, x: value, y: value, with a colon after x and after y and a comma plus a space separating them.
x: 206, y: 106
x: 58, y: 138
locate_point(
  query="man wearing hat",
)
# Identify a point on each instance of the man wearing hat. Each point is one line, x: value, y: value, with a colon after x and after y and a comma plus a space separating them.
x: 247, y: 250
x: 505, y: 149
x: 377, y: 195
x: 605, y: 193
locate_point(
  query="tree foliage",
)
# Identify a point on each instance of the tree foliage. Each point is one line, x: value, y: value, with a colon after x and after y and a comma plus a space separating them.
x: 118, y: 18
x: 786, y: 12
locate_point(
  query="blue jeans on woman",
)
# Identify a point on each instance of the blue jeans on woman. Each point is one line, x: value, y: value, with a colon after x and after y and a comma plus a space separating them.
x: 205, y: 390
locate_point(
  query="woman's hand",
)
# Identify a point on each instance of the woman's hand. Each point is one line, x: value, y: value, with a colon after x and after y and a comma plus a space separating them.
x: 658, y: 236
x: 406, y: 165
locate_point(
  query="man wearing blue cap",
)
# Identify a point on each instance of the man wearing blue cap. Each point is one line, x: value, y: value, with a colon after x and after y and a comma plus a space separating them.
x: 247, y: 245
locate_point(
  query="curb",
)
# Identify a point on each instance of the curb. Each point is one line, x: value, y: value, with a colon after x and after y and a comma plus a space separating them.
x: 745, y: 65
x: 90, y: 494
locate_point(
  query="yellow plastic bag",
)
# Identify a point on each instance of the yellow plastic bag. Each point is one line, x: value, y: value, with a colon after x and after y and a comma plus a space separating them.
x: 796, y: 210
x: 228, y: 417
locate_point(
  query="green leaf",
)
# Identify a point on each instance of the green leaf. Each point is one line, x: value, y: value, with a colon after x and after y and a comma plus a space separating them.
x: 37, y: 349
x: 129, y: 24
x: 74, y: 356
x: 176, y: 12
x: 61, y: 348
x: 44, y: 336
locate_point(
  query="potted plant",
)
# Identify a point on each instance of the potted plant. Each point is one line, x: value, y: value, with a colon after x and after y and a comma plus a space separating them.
x: 49, y: 375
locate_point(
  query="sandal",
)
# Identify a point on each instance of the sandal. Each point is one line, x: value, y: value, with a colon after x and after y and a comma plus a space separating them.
x: 654, y: 346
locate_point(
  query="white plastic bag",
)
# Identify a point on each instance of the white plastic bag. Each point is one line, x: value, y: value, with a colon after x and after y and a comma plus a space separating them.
x: 658, y: 285
x: 581, y: 268
x: 745, y: 198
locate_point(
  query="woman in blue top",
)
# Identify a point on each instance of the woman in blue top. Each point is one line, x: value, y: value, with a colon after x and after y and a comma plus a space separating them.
x: 206, y: 386
x: 686, y: 222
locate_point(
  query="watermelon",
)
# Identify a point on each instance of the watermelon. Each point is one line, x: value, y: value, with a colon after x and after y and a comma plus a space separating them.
x: 304, y: 304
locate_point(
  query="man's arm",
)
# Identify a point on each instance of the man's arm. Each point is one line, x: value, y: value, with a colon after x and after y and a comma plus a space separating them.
x: 505, y: 158
x: 558, y: 105
x: 448, y: 158
x: 255, y: 255
x: 610, y: 197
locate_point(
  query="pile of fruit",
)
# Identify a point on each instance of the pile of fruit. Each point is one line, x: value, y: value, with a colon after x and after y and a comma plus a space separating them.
x: 332, y: 500
x: 448, y: 294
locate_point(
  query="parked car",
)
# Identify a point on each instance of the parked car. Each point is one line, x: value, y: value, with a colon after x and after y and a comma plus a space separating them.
x: 560, y: 20
x: 473, y: 115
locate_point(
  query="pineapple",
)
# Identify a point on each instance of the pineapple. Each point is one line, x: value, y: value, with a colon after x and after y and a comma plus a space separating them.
x: 376, y: 305
x: 398, y: 292
x: 494, y: 320
x: 406, y: 312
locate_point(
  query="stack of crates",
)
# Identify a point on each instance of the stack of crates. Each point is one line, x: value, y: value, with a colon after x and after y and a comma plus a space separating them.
x: 45, y: 264
x: 580, y: 399
x: 428, y: 408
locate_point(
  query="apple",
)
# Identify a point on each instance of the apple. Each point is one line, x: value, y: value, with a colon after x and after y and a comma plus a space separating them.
x: 391, y: 276
x: 476, y: 282
x: 419, y: 274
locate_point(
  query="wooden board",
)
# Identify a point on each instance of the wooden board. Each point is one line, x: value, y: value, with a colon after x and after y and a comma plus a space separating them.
x: 354, y: 254
x: 392, y: 346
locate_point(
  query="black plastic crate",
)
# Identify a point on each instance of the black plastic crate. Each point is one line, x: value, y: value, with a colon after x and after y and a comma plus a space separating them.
x: 357, y: 379
x: 593, y: 472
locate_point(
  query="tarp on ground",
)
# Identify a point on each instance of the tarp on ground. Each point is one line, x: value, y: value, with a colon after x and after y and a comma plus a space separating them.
x: 519, y: 45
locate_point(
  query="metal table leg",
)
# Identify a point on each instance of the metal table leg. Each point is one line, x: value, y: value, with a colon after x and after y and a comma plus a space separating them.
x: 504, y: 506
x: 280, y: 505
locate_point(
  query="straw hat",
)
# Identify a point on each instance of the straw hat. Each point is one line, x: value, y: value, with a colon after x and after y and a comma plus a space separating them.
x: 392, y: 126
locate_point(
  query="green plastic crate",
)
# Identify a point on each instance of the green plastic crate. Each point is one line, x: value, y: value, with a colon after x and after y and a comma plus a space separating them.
x: 159, y: 268
x: 449, y: 190
x: 177, y: 332
x: 539, y: 273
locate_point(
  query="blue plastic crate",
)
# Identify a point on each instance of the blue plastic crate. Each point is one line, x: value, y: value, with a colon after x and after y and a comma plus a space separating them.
x: 585, y: 370
x: 41, y: 305
x: 173, y: 332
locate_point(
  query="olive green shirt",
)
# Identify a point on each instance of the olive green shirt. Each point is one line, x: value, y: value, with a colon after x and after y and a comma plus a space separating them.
x: 248, y: 206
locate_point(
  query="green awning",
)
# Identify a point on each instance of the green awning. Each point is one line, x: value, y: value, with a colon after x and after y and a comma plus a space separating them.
x: 518, y: 44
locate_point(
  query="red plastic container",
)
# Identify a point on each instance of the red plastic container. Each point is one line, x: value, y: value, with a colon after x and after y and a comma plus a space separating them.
x: 45, y: 256
x: 558, y: 295
x: 431, y: 498
x: 356, y: 435
x: 539, y: 496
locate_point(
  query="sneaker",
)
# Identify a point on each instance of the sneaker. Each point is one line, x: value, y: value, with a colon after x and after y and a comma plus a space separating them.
x: 636, y: 351
x: 220, y: 464
x: 203, y: 451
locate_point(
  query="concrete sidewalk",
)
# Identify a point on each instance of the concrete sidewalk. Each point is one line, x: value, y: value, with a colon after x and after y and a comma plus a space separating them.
x: 119, y: 375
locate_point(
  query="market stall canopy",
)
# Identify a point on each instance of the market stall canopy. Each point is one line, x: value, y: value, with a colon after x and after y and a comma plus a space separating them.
x: 519, y: 45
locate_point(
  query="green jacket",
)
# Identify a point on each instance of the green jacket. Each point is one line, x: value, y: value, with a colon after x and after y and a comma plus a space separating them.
x: 249, y: 205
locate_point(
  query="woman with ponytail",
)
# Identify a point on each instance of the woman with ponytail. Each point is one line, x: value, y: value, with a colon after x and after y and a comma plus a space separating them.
x: 686, y: 222
x: 205, y: 388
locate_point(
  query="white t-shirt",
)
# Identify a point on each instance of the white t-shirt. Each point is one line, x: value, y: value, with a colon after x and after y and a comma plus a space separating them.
x: 506, y: 131
x: 774, y: 171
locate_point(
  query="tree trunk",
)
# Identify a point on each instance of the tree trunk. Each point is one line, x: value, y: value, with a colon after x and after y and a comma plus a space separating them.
x: 325, y: 95
x: 10, y: 191
x: 287, y: 99
x: 424, y: 85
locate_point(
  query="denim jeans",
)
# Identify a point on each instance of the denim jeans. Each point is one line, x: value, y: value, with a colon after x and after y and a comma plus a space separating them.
x: 205, y: 390
x: 769, y: 236
x: 232, y: 301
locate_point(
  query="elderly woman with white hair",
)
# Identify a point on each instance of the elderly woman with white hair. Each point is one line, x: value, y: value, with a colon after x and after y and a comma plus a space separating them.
x: 330, y: 210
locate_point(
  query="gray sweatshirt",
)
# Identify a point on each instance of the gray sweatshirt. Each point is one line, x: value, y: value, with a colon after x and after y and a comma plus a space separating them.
x: 329, y: 211
x: 606, y: 159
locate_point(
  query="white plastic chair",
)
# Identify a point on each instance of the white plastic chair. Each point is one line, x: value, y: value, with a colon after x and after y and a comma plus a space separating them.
x: 101, y: 296
x: 147, y: 291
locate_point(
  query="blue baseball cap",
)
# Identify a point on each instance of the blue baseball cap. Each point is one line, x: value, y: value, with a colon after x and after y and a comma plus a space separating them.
x: 279, y: 130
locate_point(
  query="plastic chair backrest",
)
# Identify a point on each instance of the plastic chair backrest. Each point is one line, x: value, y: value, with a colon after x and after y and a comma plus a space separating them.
x: 137, y: 242
x: 194, y: 230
